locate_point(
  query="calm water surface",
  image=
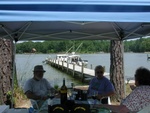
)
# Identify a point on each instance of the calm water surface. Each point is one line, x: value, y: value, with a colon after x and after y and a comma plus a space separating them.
x: 26, y: 62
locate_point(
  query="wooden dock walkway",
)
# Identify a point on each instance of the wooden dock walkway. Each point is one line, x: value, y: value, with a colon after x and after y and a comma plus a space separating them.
x: 85, y: 74
x: 75, y: 70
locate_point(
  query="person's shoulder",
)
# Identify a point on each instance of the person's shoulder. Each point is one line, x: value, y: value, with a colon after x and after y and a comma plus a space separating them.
x: 94, y: 78
x: 30, y: 80
x: 143, y: 87
x: 106, y: 81
x: 143, y: 90
x: 44, y: 79
x: 105, y: 78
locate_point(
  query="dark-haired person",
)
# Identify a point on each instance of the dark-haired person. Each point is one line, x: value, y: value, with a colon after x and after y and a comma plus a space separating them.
x: 139, y: 98
x: 102, y: 85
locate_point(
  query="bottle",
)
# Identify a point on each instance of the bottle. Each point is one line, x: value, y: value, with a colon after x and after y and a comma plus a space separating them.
x: 63, y: 93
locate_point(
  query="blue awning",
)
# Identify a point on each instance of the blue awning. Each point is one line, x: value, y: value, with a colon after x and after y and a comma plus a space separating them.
x: 86, y: 19
x: 75, y: 10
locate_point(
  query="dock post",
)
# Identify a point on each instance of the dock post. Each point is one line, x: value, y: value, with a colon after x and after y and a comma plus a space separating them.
x: 91, y: 66
x: 73, y: 69
x: 55, y: 63
x: 67, y: 66
x: 148, y: 56
x: 58, y: 63
x: 62, y: 65
x: 82, y: 71
x: 51, y: 62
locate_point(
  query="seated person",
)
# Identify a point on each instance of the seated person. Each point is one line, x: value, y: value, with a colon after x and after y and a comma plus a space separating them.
x: 101, y: 84
x: 37, y: 88
x: 139, y: 98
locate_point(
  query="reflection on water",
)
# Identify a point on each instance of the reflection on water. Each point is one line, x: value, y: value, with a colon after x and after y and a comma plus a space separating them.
x: 26, y: 62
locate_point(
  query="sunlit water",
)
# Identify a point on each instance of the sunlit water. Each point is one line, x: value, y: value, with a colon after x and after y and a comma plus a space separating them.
x: 26, y: 62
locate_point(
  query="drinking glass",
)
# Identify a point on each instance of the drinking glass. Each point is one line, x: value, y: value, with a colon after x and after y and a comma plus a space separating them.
x: 94, y: 96
x: 51, y: 94
x: 72, y: 93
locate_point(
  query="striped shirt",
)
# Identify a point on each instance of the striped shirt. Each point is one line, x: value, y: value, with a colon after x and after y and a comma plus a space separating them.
x: 138, y: 98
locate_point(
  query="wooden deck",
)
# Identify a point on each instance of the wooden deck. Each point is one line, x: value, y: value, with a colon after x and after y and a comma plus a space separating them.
x: 85, y: 74
x: 75, y: 70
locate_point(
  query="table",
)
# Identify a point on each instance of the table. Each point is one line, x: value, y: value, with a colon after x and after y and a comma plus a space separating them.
x: 21, y: 110
x: 3, y: 108
x: 55, y: 101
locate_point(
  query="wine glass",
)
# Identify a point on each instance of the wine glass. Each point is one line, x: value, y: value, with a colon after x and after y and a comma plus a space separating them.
x: 94, y: 97
x: 94, y: 94
x: 72, y: 93
x: 72, y: 85
x: 51, y: 94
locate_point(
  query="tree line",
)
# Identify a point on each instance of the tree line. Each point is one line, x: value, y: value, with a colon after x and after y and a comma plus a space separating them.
x: 82, y: 46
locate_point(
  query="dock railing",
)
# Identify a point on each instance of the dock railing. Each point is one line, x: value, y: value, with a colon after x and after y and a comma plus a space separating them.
x: 75, y: 70
x: 84, y: 73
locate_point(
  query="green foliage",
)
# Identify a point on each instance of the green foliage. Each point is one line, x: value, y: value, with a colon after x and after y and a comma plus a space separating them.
x: 140, y: 45
x: 88, y: 46
x: 18, y: 93
x: 56, y: 86
x: 9, y: 95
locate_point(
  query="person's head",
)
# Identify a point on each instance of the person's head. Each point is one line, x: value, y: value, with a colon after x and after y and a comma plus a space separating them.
x: 99, y: 71
x: 142, y: 76
x: 38, y: 72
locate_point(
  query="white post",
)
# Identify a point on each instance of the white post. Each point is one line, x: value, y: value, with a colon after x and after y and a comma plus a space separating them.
x: 82, y: 71
x: 73, y: 69
x: 62, y: 65
x: 67, y: 66
x: 91, y: 66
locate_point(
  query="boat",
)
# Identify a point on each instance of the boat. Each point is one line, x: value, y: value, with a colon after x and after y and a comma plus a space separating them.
x: 71, y: 58
x: 76, y: 59
x: 62, y: 57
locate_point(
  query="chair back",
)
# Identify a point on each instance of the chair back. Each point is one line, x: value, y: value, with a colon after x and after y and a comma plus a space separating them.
x: 81, y: 108
x: 58, y: 108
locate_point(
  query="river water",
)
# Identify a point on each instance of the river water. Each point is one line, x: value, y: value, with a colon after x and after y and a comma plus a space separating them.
x: 26, y: 62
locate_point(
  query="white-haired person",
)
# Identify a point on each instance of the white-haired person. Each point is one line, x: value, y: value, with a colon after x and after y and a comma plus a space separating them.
x: 102, y: 85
